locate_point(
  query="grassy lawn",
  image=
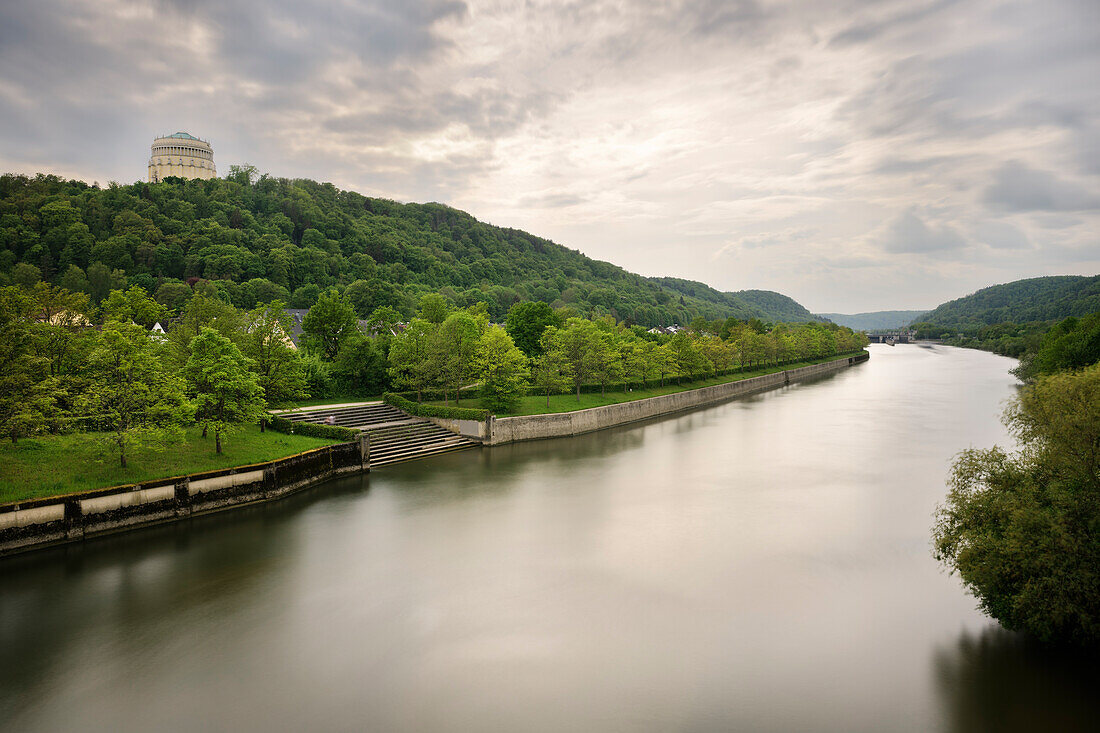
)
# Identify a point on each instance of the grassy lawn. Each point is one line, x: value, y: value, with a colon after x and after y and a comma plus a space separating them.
x: 61, y: 464
x: 536, y: 404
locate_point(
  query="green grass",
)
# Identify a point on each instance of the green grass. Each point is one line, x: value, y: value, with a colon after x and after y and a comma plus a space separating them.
x: 61, y: 464
x: 534, y: 404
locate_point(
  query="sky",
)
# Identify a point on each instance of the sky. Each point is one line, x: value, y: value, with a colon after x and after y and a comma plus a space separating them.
x: 856, y: 156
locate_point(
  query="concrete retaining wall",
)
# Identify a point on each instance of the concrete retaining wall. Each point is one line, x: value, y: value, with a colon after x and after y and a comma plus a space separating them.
x: 40, y: 522
x: 496, y: 431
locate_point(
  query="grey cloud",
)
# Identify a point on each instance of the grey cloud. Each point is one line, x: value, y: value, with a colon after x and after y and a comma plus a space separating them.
x: 909, y: 234
x: 906, y: 15
x: 1001, y: 235
x: 1016, y: 187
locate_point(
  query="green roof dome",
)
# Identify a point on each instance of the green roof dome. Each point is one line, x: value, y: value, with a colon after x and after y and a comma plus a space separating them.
x: 184, y: 136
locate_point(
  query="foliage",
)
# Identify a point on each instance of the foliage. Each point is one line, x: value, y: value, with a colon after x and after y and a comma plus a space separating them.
x: 421, y: 410
x: 526, y: 323
x: 1071, y: 344
x: 1023, y: 529
x: 266, y: 341
x: 360, y: 367
x: 27, y: 393
x: 313, y: 430
x: 129, y: 392
x: 226, y: 393
x: 501, y: 368
x: 550, y: 370
x: 329, y: 323
x: 1034, y: 299
x: 264, y: 238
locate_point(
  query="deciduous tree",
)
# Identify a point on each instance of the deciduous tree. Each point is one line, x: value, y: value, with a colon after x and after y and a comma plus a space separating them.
x: 225, y: 391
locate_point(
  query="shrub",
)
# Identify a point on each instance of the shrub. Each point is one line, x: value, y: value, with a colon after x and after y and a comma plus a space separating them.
x: 449, y: 413
x: 327, y: 432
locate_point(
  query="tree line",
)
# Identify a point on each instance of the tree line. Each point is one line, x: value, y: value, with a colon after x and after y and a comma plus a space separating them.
x: 69, y: 364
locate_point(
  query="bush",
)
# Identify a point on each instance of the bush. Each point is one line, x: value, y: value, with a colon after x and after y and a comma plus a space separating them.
x: 448, y: 413
x: 327, y: 432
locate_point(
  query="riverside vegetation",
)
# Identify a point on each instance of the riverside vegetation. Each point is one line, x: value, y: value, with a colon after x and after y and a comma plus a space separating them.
x: 1022, y: 529
x: 74, y: 367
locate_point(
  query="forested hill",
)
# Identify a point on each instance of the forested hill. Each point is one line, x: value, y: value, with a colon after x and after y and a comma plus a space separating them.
x: 291, y: 239
x: 743, y: 303
x: 1035, y: 299
x: 874, y: 319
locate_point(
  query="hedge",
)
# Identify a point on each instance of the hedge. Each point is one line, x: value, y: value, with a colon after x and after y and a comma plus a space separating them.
x: 328, y: 432
x: 450, y: 413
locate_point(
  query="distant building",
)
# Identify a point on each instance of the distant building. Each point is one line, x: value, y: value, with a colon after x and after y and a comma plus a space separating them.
x: 182, y: 155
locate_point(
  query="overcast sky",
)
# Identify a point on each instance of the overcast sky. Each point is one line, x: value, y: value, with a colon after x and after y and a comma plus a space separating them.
x: 853, y: 155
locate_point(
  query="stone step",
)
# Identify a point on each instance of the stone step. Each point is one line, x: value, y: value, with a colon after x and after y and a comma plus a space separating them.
x: 399, y: 458
x: 412, y: 447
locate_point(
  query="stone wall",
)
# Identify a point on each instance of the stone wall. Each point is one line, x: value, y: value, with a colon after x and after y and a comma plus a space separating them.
x: 39, y: 522
x: 497, y: 431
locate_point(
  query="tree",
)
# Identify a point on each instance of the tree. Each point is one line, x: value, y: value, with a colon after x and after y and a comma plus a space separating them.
x: 226, y: 392
x: 409, y: 356
x: 360, y: 366
x: 25, y: 274
x: 276, y: 362
x: 501, y: 368
x: 579, y: 342
x: 434, y: 308
x: 1071, y: 344
x: 550, y: 371
x: 526, y: 322
x: 328, y: 324
x: 452, y: 351
x: 129, y: 393
x: 27, y: 393
x: 133, y: 304
x: 1021, y: 529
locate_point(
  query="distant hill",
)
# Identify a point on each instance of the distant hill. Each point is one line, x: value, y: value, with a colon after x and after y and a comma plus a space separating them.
x: 765, y: 304
x: 874, y: 319
x: 1035, y: 299
x: 277, y: 238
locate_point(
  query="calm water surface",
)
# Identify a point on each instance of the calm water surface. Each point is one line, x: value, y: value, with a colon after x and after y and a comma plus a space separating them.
x: 763, y: 566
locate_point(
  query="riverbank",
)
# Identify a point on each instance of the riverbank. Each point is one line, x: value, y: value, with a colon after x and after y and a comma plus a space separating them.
x: 500, y: 430
x: 43, y: 522
x: 536, y: 404
x: 52, y: 465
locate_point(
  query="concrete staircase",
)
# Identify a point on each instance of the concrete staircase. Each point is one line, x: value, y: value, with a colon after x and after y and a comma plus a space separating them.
x: 395, y: 436
x: 418, y: 439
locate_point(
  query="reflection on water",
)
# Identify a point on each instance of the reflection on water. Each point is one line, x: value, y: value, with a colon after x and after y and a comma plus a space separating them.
x: 760, y: 565
x: 997, y: 681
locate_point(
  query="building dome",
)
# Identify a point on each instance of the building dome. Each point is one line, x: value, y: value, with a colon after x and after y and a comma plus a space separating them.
x: 181, y: 154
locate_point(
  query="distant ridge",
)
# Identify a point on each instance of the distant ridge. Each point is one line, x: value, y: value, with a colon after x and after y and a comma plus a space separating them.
x: 874, y: 319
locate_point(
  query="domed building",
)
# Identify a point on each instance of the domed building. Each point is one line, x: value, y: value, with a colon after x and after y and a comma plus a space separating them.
x: 181, y: 155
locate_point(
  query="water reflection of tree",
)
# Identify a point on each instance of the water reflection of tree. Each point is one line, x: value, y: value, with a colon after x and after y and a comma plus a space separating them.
x: 1001, y: 681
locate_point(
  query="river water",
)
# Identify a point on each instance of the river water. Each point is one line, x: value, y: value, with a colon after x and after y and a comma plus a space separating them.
x: 763, y: 565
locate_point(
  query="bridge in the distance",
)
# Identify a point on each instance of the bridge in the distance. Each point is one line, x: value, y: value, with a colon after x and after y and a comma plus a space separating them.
x: 895, y: 335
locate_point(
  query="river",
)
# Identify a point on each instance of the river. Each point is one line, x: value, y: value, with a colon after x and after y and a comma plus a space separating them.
x: 763, y: 565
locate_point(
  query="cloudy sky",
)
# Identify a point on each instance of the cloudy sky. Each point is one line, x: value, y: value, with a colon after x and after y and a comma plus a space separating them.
x: 854, y: 155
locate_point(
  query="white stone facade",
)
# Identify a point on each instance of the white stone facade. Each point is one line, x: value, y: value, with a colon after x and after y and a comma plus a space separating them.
x: 181, y: 155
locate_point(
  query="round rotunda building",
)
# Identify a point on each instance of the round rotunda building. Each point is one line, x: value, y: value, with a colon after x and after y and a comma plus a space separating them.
x: 181, y: 155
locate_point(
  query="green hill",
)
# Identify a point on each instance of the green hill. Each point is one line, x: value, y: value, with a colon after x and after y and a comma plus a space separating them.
x: 1034, y: 299
x: 874, y: 319
x: 290, y: 239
